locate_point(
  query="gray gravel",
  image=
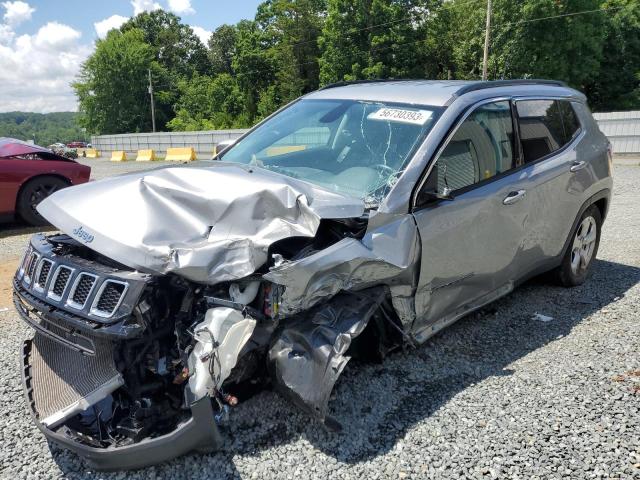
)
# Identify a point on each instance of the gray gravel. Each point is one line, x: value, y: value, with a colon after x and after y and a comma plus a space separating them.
x: 497, y: 395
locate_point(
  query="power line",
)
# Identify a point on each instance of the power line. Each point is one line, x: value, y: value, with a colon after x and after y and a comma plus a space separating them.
x: 573, y: 14
x: 384, y: 24
x: 584, y: 12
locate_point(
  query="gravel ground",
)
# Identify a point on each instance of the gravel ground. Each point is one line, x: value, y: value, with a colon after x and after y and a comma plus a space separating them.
x: 497, y: 395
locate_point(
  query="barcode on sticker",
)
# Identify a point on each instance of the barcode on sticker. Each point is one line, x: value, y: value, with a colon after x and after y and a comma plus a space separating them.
x: 401, y: 115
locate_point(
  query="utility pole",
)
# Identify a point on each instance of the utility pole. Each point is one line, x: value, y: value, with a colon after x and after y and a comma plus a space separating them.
x: 486, y: 41
x: 153, y: 107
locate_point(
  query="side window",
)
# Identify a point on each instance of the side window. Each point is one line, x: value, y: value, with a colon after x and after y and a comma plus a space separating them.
x: 569, y: 120
x: 481, y: 148
x: 541, y: 129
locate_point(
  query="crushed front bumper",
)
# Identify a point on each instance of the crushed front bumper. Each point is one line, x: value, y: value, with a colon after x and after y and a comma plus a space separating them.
x: 199, y: 433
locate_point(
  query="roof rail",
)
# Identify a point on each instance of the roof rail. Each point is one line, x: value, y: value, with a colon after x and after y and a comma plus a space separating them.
x: 344, y: 83
x: 472, y: 87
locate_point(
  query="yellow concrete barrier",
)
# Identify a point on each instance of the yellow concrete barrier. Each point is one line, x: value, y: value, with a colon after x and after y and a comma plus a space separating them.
x: 146, y: 155
x: 283, y: 149
x: 181, y: 154
x: 91, y: 153
x: 118, y: 156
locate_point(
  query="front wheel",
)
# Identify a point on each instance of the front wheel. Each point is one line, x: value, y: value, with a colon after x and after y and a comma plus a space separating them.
x: 33, y: 193
x: 583, y: 247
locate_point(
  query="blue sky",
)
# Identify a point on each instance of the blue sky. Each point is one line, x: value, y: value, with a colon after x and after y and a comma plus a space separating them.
x: 43, y: 42
x: 82, y: 14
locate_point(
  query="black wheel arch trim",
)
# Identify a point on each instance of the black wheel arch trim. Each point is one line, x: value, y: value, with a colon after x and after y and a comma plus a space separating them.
x: 592, y: 200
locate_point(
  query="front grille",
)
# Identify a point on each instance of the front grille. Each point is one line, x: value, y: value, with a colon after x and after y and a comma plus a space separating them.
x: 42, y: 274
x: 81, y: 290
x: 60, y: 282
x: 31, y: 266
x: 45, y: 269
x: 25, y: 260
x: 80, y: 286
x: 62, y: 381
x: 109, y: 298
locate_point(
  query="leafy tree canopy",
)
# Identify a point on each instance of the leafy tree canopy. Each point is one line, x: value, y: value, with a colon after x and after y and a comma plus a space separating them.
x: 248, y: 70
x: 43, y: 128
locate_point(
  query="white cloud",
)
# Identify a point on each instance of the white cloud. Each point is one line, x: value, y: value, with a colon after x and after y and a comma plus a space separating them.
x: 140, y: 6
x: 6, y: 34
x: 202, y: 33
x: 103, y: 26
x: 17, y: 12
x: 56, y: 36
x: 181, y: 7
x: 37, y: 69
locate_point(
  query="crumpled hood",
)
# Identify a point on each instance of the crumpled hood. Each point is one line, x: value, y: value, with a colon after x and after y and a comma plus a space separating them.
x: 208, y: 224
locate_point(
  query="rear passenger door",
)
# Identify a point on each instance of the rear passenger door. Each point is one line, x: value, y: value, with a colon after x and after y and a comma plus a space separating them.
x: 471, y: 244
x: 550, y: 132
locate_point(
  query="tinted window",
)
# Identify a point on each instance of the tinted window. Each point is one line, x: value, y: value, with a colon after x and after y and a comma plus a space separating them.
x: 569, y: 120
x: 481, y: 148
x: 541, y: 130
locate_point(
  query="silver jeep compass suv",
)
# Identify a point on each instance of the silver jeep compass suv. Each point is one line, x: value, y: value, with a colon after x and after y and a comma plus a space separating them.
x: 357, y: 218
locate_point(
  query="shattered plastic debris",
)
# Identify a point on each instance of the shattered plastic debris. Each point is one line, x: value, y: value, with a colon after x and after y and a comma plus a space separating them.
x: 541, y: 317
x: 220, y: 337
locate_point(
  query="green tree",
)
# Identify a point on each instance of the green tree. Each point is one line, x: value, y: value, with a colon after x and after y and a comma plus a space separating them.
x: 112, y: 85
x: 209, y: 103
x: 529, y: 39
x: 175, y: 46
x: 291, y: 30
x: 617, y: 86
x: 222, y: 49
x: 43, y: 128
x: 379, y: 39
x: 176, y: 49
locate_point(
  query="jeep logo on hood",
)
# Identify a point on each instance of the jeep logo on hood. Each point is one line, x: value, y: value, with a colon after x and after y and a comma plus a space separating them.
x: 83, y: 235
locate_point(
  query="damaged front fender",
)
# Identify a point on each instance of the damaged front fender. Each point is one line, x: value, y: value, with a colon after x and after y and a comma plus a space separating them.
x: 388, y: 254
x: 310, y: 352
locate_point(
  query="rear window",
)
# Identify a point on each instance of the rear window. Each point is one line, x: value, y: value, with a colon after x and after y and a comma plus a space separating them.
x: 569, y: 120
x: 545, y: 126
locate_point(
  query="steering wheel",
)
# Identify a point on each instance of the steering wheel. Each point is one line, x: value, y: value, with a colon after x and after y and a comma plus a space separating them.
x: 381, y: 168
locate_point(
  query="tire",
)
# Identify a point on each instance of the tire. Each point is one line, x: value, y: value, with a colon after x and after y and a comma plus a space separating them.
x: 32, y: 193
x: 583, y: 248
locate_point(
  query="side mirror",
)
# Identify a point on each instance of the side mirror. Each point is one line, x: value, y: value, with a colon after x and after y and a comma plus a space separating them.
x: 429, y: 196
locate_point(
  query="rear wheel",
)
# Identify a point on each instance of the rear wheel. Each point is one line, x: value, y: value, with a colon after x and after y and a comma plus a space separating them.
x: 33, y: 192
x: 583, y: 247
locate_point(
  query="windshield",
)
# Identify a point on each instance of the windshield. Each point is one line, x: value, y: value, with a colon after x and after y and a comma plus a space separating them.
x: 352, y: 147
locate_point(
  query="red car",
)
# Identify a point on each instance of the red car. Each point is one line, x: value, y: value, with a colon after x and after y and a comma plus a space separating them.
x: 29, y: 174
x: 77, y: 145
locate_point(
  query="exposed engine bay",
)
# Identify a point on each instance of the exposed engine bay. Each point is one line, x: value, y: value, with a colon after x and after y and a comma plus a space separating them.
x: 120, y: 357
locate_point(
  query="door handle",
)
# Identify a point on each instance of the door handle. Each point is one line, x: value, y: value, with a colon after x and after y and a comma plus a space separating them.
x: 514, y: 197
x: 576, y: 166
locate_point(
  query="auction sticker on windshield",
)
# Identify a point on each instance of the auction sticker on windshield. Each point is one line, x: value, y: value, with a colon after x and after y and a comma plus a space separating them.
x: 401, y: 115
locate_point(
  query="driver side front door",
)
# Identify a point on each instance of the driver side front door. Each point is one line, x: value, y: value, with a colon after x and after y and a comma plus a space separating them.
x: 471, y: 242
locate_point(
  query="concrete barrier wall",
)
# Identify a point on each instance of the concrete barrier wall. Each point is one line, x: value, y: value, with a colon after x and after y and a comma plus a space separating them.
x: 202, y: 142
x: 622, y: 129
